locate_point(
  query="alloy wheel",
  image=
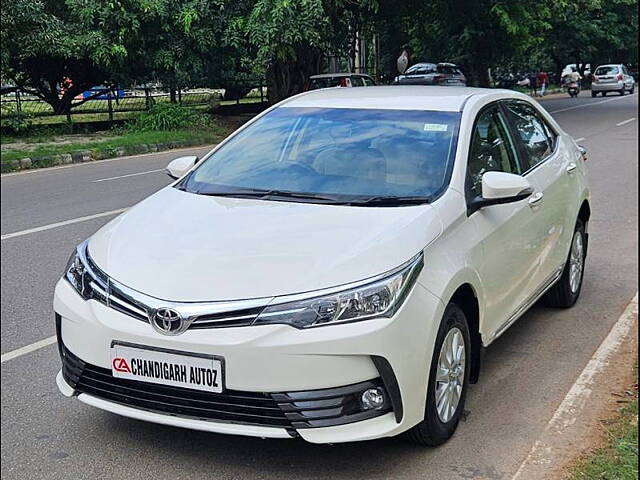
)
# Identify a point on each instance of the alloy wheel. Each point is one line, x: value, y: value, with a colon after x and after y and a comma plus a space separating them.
x: 450, y: 375
x: 576, y: 262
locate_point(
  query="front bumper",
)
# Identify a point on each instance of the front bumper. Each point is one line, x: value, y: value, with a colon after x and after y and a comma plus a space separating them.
x: 271, y: 360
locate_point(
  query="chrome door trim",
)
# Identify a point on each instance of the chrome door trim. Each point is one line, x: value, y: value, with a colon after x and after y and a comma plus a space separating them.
x: 546, y: 285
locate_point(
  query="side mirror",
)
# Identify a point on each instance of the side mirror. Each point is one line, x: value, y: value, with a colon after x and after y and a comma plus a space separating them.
x: 583, y: 152
x: 181, y: 165
x: 499, y: 188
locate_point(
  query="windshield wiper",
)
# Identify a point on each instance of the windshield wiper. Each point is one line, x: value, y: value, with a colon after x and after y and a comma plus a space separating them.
x: 392, y: 201
x: 272, y: 194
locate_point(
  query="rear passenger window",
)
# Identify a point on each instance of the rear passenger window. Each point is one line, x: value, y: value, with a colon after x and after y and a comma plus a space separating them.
x: 537, y: 137
x: 357, y: 82
x: 491, y: 149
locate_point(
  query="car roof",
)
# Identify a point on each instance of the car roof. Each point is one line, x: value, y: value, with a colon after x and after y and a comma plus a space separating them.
x: 393, y: 97
x: 334, y: 75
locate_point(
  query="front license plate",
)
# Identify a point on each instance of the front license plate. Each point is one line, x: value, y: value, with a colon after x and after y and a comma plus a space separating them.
x: 197, y: 372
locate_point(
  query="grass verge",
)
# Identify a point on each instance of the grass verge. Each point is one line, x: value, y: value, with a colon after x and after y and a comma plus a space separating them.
x: 617, y: 459
x: 112, y: 146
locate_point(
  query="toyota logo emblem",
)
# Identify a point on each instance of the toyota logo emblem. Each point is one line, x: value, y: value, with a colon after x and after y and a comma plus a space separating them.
x: 168, y: 321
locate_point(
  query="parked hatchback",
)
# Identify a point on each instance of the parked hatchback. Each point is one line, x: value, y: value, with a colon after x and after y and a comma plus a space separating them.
x: 612, y: 78
x: 432, y: 74
x: 328, y: 80
x: 332, y: 270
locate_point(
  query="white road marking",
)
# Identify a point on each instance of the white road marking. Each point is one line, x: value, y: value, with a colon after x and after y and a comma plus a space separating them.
x: 588, y: 104
x: 27, y: 349
x: 625, y: 122
x: 129, y: 175
x: 580, y: 139
x: 107, y: 160
x: 575, y: 400
x: 61, y: 224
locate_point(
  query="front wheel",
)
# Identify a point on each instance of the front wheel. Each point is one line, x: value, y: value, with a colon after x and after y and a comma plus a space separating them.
x: 622, y: 92
x: 448, y: 381
x: 566, y: 291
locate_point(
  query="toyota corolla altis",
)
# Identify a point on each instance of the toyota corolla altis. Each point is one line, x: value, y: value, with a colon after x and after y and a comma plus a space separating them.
x: 332, y: 270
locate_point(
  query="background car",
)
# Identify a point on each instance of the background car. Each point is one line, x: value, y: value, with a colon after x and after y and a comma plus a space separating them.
x: 612, y: 78
x: 432, y: 74
x: 328, y: 80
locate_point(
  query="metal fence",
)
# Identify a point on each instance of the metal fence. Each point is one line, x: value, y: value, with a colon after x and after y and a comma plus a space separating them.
x: 120, y: 104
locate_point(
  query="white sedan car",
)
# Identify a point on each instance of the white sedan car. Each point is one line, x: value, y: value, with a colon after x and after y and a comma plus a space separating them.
x: 332, y: 270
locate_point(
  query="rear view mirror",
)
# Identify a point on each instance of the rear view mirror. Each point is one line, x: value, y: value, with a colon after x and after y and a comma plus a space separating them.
x: 181, y: 165
x: 499, y: 188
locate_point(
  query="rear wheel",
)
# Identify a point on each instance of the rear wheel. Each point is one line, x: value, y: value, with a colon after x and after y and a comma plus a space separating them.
x: 593, y: 94
x: 604, y: 94
x: 448, y: 381
x: 566, y: 291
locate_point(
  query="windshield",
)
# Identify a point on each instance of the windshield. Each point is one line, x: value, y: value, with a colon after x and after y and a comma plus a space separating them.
x: 608, y: 70
x: 339, y: 155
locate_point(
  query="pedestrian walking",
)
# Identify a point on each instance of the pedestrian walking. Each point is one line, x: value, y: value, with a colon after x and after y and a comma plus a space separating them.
x: 533, y: 84
x: 543, y: 80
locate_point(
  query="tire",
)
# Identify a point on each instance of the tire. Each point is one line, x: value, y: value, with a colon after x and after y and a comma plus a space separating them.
x: 565, y: 292
x: 594, y: 94
x: 622, y: 92
x: 633, y: 89
x: 604, y: 94
x: 434, y: 430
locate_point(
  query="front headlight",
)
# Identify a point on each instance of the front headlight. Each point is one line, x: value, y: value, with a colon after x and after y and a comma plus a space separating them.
x: 80, y: 274
x: 380, y: 298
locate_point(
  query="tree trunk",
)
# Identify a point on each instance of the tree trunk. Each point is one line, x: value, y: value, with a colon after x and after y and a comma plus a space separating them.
x: 479, y: 75
x: 290, y: 77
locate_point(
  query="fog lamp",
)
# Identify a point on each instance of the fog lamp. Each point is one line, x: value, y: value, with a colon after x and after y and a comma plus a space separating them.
x: 373, y: 399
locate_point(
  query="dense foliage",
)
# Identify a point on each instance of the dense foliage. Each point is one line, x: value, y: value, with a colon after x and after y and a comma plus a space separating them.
x: 221, y: 43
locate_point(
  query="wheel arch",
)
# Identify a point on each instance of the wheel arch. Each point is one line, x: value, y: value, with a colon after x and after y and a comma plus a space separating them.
x: 466, y: 298
x: 584, y: 214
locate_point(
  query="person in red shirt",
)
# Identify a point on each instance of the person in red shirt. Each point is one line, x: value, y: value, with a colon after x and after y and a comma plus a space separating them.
x: 543, y: 80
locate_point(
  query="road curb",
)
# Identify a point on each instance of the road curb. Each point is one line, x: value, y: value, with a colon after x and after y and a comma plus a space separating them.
x: 83, y: 156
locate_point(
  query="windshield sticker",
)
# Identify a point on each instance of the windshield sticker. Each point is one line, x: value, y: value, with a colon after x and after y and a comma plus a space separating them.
x: 435, y: 127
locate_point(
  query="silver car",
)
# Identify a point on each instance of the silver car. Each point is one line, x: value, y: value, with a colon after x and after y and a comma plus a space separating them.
x: 432, y: 74
x: 612, y: 78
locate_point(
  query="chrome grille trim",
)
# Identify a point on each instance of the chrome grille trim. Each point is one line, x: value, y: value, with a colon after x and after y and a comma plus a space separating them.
x: 142, y: 307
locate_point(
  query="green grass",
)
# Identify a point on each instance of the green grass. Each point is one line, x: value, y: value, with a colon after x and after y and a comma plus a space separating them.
x: 618, y: 458
x: 126, y: 108
x: 107, y: 148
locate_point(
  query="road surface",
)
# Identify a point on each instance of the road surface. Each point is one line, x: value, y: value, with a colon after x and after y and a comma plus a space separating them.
x: 526, y: 373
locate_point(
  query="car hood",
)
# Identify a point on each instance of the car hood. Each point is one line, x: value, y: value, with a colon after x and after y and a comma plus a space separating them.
x: 185, y: 247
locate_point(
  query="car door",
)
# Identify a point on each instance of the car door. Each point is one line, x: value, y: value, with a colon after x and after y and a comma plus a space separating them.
x: 552, y: 173
x: 507, y: 257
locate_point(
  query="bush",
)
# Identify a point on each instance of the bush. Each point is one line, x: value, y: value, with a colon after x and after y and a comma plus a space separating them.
x: 18, y: 123
x: 168, y: 116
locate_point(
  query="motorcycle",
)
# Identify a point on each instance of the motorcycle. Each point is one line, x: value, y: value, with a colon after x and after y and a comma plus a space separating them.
x: 573, y: 89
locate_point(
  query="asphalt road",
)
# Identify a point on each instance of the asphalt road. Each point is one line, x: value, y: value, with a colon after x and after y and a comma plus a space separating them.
x: 526, y: 372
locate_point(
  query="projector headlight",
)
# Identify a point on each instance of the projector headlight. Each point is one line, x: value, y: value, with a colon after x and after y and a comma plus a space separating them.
x: 381, y: 298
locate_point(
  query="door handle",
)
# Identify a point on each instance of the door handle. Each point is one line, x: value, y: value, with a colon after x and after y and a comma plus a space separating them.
x: 535, y: 200
x: 571, y: 167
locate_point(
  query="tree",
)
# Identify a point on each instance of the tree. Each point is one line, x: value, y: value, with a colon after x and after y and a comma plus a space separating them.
x: 111, y: 42
x: 477, y: 34
x: 593, y: 31
x: 45, y: 42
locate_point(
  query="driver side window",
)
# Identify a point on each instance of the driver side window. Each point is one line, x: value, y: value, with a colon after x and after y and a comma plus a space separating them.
x: 492, y: 149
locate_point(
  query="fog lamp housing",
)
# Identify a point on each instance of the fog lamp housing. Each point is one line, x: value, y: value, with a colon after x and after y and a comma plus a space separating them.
x: 374, y: 399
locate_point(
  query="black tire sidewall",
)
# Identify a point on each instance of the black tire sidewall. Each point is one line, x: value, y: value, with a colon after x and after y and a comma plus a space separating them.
x: 566, y: 274
x: 453, y: 317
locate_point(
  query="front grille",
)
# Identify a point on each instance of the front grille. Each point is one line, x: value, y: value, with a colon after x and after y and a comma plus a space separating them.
x: 289, y: 410
x: 230, y: 406
x: 97, y: 285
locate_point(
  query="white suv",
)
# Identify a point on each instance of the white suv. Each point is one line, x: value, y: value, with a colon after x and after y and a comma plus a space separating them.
x: 332, y: 270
